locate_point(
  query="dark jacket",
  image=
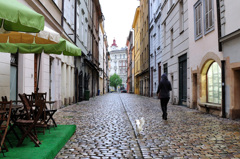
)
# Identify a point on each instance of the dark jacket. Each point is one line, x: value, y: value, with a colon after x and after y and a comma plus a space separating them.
x: 164, y: 87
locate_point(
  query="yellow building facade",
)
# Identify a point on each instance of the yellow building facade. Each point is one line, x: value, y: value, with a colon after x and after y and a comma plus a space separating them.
x: 136, y: 52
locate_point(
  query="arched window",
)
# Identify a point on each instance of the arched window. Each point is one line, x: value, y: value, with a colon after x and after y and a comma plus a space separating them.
x: 214, y: 86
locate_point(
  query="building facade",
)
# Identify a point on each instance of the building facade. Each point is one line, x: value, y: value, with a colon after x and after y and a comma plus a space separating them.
x: 118, y: 62
x: 56, y: 73
x: 155, y: 45
x: 91, y: 61
x: 129, y: 45
x: 229, y: 36
x: 175, y: 49
x: 205, y: 57
x: 102, y: 60
x: 82, y: 42
x: 136, y: 27
x: 64, y: 78
x: 144, y: 49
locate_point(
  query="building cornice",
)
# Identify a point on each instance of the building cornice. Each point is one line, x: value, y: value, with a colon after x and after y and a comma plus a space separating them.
x: 230, y: 36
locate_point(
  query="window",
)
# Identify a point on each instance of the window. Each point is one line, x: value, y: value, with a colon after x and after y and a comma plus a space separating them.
x: 115, y: 56
x: 164, y: 34
x: 123, y: 56
x: 171, y: 43
x: 120, y: 56
x: 159, y: 33
x: 78, y: 20
x: 214, y: 86
x: 198, y: 20
x: 165, y: 68
x: 82, y: 28
x: 181, y: 13
x: 155, y: 60
x: 208, y: 16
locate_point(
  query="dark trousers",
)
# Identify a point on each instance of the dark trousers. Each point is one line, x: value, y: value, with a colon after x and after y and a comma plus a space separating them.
x: 164, y: 102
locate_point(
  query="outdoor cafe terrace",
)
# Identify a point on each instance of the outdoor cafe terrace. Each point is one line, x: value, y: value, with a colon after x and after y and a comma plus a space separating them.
x: 28, y: 128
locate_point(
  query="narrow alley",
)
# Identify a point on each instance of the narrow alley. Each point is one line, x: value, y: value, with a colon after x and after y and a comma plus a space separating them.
x: 106, y: 129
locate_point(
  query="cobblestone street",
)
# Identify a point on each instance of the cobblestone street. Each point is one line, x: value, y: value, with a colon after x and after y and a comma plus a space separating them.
x: 106, y: 129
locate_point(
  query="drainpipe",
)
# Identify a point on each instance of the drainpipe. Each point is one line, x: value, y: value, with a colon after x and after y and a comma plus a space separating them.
x: 75, y: 22
x: 223, y: 89
x: 222, y: 61
x: 149, y: 49
x: 103, y: 62
x: 75, y: 41
x: 62, y: 13
x: 219, y: 25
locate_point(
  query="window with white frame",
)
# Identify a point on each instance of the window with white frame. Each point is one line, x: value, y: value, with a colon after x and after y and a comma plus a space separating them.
x: 198, y: 20
x: 85, y: 39
x: 208, y: 16
x: 159, y: 33
x: 165, y: 68
x: 78, y: 21
x: 181, y: 13
x: 171, y: 43
x: 214, y: 86
x: 164, y: 34
x: 82, y: 28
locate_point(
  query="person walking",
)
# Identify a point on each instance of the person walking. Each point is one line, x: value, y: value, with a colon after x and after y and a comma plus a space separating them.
x: 163, y: 91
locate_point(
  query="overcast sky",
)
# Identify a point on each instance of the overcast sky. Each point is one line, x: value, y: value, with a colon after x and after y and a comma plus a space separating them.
x: 119, y: 16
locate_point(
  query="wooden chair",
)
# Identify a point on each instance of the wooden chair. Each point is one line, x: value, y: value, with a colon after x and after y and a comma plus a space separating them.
x: 29, y: 104
x: 5, y: 115
x: 48, y: 112
x: 27, y: 126
x: 12, y: 118
x: 28, y: 110
x: 4, y: 98
x: 42, y: 121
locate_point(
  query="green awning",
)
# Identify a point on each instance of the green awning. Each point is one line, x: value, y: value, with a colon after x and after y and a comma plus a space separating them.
x: 63, y: 47
x: 17, y: 17
x: 9, y: 48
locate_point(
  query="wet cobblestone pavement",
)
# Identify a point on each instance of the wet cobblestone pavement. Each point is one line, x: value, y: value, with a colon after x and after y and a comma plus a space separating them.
x: 106, y: 129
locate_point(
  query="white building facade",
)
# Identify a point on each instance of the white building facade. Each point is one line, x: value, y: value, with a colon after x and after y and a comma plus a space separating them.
x: 56, y: 73
x: 205, y: 57
x: 175, y: 53
x: 155, y: 45
x: 229, y: 23
x: 118, y: 63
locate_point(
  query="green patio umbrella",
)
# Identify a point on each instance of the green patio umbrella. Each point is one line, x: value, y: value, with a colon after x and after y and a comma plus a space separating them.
x: 63, y: 47
x: 14, y: 16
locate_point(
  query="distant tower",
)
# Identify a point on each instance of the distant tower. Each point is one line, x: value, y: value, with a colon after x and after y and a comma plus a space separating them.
x: 114, y: 45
